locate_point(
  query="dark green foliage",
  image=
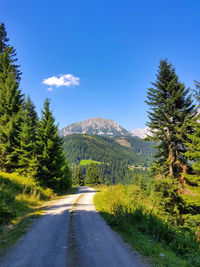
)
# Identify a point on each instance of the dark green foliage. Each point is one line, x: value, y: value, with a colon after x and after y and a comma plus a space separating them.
x: 192, y: 188
x: 143, y: 179
x: 27, y: 137
x: 74, y: 175
x: 193, y: 153
x: 175, y: 126
x: 22, y: 149
x: 4, y: 45
x: 53, y: 170
x: 80, y: 146
x: 115, y: 158
x: 11, y: 101
x: 166, y: 197
x: 78, y: 178
x: 7, y: 201
x: 92, y: 174
x: 3, y: 38
x: 170, y: 106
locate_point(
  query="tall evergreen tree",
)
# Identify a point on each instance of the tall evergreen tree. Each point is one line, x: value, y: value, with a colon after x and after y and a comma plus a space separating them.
x: 92, y: 174
x: 170, y: 106
x: 27, y: 137
x: 78, y: 176
x: 4, y: 44
x: 11, y: 101
x: 74, y: 176
x: 53, y: 170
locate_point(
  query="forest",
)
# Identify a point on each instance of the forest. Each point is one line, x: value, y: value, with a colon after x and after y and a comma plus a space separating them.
x: 29, y: 145
x: 115, y: 158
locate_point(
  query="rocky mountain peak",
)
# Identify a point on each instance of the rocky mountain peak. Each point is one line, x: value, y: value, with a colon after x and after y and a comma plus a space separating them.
x: 142, y: 133
x: 97, y: 126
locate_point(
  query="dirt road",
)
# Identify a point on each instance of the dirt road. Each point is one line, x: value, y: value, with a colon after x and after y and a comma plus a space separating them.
x: 71, y: 233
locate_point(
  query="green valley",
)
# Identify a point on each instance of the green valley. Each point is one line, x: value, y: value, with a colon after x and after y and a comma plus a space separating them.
x: 114, y: 157
x: 104, y: 149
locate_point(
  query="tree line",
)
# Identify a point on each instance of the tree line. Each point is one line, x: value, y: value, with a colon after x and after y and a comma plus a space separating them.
x: 86, y: 176
x: 29, y: 145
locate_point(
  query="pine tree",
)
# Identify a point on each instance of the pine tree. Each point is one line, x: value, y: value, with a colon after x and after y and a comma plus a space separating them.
x: 92, y: 174
x: 11, y: 101
x: 27, y: 137
x: 170, y: 106
x: 53, y: 170
x: 4, y: 44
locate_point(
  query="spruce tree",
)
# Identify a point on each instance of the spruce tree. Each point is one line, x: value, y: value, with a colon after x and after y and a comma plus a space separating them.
x: 170, y: 106
x: 11, y: 102
x: 4, y: 44
x: 53, y: 170
x: 92, y: 174
x: 78, y: 176
x: 75, y: 180
x: 27, y: 163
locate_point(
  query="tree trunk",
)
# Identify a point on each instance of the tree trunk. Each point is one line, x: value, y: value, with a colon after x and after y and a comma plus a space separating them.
x: 170, y: 156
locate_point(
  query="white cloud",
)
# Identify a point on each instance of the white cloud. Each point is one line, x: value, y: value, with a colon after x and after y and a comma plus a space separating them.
x: 68, y: 80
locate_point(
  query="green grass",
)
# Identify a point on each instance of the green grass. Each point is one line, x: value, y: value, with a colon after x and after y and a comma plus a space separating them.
x: 129, y: 212
x: 19, y: 195
x: 86, y: 162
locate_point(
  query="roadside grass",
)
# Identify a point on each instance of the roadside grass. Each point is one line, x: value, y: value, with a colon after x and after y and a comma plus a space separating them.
x: 22, y: 200
x: 129, y: 213
x: 19, y: 195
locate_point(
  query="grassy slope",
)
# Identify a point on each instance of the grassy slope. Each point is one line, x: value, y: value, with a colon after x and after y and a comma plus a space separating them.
x: 20, y: 200
x: 86, y: 162
x: 127, y: 210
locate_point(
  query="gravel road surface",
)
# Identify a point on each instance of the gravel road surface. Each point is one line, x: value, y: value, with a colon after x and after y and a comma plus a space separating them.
x: 71, y: 233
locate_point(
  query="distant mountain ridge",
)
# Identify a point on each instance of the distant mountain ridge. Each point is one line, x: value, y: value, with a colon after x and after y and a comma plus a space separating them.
x: 142, y: 133
x: 98, y: 126
x: 102, y: 127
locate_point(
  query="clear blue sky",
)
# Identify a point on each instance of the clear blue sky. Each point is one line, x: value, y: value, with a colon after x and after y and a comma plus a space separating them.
x: 112, y: 46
